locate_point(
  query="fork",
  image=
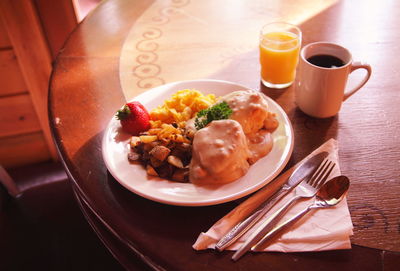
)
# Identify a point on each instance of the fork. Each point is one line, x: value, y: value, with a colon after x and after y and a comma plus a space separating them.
x: 306, y: 189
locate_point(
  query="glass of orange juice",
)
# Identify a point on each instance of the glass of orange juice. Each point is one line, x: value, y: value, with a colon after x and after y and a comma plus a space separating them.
x: 280, y: 44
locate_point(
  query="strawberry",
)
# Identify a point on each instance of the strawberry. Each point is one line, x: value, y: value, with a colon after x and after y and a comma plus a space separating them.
x: 134, y: 118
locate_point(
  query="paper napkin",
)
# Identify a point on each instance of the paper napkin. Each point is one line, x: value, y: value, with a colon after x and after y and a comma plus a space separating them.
x: 322, y: 229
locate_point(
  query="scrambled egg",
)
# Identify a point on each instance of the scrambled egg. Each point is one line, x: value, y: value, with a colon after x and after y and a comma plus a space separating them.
x: 182, y: 106
x: 166, y: 119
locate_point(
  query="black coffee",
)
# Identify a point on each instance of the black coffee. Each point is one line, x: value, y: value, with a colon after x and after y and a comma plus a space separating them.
x: 326, y: 61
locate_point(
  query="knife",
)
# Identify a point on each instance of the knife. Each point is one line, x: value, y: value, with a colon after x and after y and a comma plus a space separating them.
x: 304, y: 170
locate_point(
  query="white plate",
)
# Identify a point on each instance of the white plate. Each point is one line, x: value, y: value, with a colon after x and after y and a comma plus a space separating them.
x: 134, y: 177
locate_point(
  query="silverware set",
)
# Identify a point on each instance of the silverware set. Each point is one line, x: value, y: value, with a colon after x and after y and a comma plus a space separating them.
x: 308, y: 180
x: 329, y: 195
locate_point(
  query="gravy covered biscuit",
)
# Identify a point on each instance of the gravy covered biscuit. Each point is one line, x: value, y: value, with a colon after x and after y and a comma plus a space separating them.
x: 250, y: 109
x: 219, y: 153
x: 224, y: 150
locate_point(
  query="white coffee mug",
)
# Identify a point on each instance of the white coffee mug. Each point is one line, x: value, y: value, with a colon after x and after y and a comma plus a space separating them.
x: 320, y: 90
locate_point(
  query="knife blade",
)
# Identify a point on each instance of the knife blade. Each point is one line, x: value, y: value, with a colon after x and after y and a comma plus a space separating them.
x: 304, y: 170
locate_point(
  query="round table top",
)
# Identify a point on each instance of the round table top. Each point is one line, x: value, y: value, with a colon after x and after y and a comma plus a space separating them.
x: 124, y: 48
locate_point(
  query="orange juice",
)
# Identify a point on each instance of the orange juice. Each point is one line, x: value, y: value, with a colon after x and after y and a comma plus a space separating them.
x: 279, y: 55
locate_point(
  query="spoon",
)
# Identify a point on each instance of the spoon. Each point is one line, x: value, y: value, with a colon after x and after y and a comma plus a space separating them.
x: 330, y: 194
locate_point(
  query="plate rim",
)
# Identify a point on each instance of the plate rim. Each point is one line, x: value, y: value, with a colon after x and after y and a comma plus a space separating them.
x: 205, y: 202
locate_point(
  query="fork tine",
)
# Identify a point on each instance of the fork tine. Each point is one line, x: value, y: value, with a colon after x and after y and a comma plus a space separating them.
x: 322, y: 173
x: 328, y: 171
x: 318, y: 172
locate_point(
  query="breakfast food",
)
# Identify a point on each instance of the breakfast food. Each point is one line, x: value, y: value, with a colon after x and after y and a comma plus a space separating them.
x: 168, y: 121
x: 250, y: 109
x: 219, y: 153
x: 204, y: 139
x: 168, y: 136
x: 182, y: 106
x: 224, y: 150
x: 134, y: 118
x: 169, y: 160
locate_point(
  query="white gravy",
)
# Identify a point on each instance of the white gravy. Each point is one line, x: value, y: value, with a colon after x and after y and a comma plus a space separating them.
x: 249, y: 108
x: 259, y: 144
x: 220, y: 153
x: 224, y: 149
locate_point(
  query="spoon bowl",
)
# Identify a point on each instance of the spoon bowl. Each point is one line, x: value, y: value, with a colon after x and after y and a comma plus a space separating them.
x: 332, y: 192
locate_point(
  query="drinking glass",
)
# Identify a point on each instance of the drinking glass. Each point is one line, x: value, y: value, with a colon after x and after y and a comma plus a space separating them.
x: 280, y: 44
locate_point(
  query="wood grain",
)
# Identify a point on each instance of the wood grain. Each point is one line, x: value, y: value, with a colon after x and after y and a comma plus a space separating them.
x: 4, y: 40
x: 58, y: 20
x: 17, y: 116
x: 23, y: 149
x: 33, y: 55
x: 12, y: 81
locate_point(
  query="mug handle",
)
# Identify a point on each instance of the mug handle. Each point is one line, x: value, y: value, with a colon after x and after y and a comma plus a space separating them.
x: 355, y: 66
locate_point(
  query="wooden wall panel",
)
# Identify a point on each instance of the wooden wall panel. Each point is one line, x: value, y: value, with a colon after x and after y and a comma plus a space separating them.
x: 11, y: 79
x: 58, y: 20
x: 4, y: 40
x: 31, y: 33
x: 21, y: 150
x: 17, y: 116
x: 24, y: 28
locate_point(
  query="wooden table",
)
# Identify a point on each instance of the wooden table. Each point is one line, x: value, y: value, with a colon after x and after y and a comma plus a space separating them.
x: 125, y: 47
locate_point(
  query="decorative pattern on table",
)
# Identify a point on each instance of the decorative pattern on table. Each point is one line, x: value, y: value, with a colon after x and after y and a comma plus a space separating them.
x: 146, y: 69
x: 175, y: 40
